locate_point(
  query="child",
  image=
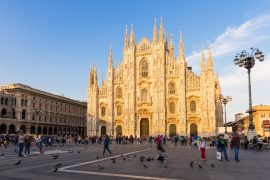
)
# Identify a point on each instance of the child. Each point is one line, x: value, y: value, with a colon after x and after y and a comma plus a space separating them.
x: 202, y: 147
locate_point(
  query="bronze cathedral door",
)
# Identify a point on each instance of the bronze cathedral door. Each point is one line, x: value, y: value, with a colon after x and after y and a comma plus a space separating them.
x: 144, y: 127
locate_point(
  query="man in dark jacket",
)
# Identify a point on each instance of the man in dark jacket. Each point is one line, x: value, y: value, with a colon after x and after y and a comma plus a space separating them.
x: 222, y: 145
x: 106, y: 144
x: 235, y: 146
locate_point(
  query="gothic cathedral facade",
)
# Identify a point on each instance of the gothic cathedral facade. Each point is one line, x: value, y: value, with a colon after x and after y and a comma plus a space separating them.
x: 153, y: 92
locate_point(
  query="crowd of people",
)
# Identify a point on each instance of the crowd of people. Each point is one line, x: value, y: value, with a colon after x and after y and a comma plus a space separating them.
x: 24, y: 142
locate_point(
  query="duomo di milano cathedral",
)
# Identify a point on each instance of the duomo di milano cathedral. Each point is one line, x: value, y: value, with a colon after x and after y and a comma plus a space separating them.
x: 153, y: 92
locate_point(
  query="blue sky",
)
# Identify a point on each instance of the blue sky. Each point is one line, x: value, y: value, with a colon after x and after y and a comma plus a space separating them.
x: 50, y: 44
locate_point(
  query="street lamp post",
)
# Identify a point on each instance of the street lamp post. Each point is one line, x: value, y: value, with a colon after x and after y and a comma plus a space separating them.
x: 37, y: 111
x: 224, y: 100
x: 247, y: 60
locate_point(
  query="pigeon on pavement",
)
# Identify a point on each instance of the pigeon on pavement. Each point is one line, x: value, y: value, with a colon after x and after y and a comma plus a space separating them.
x: 113, y: 160
x: 18, y: 163
x: 100, y: 167
x: 58, y: 165
x: 142, y: 158
x: 55, y: 169
x: 55, y: 156
x: 191, y: 164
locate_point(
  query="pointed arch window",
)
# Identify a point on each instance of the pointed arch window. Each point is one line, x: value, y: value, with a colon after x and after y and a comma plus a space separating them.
x: 144, y: 95
x: 144, y: 68
x: 193, y: 106
x: 119, y: 93
x: 172, y: 89
x: 172, y: 107
x: 103, y: 111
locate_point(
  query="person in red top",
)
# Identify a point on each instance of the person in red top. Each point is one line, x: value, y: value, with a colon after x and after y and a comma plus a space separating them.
x: 158, y: 139
x: 159, y: 144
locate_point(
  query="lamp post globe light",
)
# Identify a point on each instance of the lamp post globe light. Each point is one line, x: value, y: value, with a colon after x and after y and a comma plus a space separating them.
x: 37, y: 111
x: 247, y: 60
x: 224, y: 100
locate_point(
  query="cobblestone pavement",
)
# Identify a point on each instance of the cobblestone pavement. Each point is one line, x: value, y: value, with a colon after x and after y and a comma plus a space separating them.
x: 80, y: 162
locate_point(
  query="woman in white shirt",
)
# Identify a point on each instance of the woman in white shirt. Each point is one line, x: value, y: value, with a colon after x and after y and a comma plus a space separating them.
x: 202, y: 147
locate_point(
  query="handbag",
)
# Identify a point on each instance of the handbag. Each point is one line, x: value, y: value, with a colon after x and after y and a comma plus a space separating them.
x: 218, y: 155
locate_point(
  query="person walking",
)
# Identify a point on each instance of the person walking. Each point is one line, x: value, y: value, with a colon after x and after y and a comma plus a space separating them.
x: 106, y: 144
x: 21, y: 143
x: 235, y: 142
x: 246, y: 143
x: 222, y: 145
x: 202, y: 147
x: 27, y: 144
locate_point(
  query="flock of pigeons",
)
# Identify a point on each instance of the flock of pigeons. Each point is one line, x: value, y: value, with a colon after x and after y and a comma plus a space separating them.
x: 142, y: 159
x: 126, y: 157
x: 199, y: 165
x: 54, y: 157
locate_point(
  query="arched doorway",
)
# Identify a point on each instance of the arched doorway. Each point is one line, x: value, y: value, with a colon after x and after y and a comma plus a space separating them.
x: 103, y: 130
x: 118, y: 130
x: 193, y: 130
x: 3, y: 129
x: 39, y: 130
x: 12, y: 129
x: 44, y: 131
x: 172, y: 130
x: 144, y: 127
x: 55, y: 131
x: 33, y: 130
x: 83, y: 134
x: 50, y: 131
x: 23, y: 128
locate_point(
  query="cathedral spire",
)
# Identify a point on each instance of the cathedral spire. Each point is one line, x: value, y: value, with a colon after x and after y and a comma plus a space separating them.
x: 171, y: 47
x: 95, y: 75
x: 155, y: 33
x: 203, y: 62
x: 210, y: 60
x: 217, y: 80
x: 110, y: 57
x: 181, y: 49
x: 171, y: 39
x: 126, y: 38
x: 132, y: 37
x: 161, y: 31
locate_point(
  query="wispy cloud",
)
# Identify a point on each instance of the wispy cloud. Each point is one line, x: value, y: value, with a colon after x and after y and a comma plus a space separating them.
x: 234, y: 81
x: 249, y: 33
